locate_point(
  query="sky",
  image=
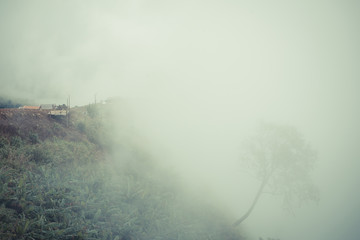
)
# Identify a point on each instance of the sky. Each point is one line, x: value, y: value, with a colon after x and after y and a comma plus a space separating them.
x: 198, y: 77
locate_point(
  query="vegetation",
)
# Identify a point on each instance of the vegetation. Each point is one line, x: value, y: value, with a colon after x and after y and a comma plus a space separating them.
x: 11, y: 102
x: 57, y: 188
x: 282, y: 161
x: 7, y: 103
x: 34, y: 138
x: 92, y: 110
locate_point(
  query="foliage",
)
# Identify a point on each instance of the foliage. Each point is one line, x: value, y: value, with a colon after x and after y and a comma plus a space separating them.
x: 281, y: 153
x: 92, y: 132
x: 92, y: 110
x: 61, y: 107
x: 80, y: 126
x: 56, y: 127
x: 39, y: 155
x: 61, y: 189
x: 16, y: 141
x: 4, y: 147
x: 282, y: 161
x: 96, y: 131
x: 34, y: 138
x: 3, y: 142
x: 7, y: 103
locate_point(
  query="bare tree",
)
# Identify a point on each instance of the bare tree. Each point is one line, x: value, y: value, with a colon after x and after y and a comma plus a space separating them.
x: 282, y: 161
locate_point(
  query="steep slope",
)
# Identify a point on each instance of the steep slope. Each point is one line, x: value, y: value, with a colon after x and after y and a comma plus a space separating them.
x: 59, y: 182
x: 23, y: 123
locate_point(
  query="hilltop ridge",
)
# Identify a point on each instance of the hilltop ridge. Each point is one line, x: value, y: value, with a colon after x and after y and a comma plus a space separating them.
x: 24, y: 122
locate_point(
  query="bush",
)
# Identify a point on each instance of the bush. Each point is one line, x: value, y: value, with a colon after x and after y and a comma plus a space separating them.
x: 3, y: 142
x: 4, y: 152
x: 56, y: 127
x: 16, y: 141
x: 81, y: 127
x: 4, y: 148
x: 34, y: 138
x: 40, y: 155
x: 92, y: 110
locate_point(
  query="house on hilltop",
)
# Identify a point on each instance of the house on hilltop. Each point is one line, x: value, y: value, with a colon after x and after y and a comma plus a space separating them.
x: 58, y: 113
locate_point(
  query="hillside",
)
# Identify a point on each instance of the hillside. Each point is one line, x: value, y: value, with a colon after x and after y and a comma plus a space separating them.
x: 23, y: 123
x: 69, y: 182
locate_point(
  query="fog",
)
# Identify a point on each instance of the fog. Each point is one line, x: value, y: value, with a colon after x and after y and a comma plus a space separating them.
x: 198, y: 77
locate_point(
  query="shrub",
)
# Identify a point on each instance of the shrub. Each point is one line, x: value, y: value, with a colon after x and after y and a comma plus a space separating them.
x: 34, y: 138
x: 56, y: 127
x: 92, y: 110
x: 4, y: 148
x: 16, y: 141
x: 81, y: 127
x: 3, y: 142
x: 40, y: 155
x: 4, y: 152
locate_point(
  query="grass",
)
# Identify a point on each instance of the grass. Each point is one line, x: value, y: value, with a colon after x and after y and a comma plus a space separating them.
x: 61, y: 189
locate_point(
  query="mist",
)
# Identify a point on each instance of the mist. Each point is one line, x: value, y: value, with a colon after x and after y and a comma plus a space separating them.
x: 198, y: 77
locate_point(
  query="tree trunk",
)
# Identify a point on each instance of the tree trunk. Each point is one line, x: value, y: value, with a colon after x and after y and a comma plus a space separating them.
x: 240, y: 220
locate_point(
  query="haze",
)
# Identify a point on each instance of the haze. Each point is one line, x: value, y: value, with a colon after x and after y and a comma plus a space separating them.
x: 198, y: 76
